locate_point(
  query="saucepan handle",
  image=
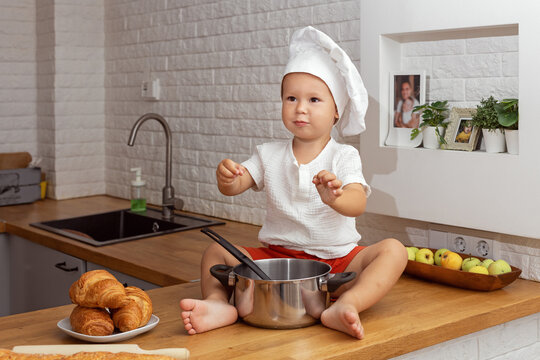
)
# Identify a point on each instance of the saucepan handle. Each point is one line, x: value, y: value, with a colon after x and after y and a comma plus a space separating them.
x: 336, y: 281
x: 221, y: 272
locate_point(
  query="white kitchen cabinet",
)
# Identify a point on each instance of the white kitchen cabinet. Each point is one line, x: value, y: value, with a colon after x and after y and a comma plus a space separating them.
x: 4, y: 274
x: 40, y: 277
x: 125, y: 279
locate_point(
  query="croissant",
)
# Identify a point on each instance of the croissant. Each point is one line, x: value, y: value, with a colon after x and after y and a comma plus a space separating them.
x: 98, y: 288
x: 91, y: 321
x: 135, y: 314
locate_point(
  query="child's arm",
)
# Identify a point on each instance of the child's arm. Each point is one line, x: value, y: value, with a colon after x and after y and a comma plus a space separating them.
x: 348, y: 201
x: 233, y: 178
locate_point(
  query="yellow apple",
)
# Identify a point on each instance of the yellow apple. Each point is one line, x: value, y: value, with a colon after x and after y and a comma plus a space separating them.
x: 486, y: 263
x: 499, y: 267
x: 424, y: 256
x: 469, y: 263
x: 438, y: 256
x: 411, y: 252
x: 479, y: 269
x: 451, y: 260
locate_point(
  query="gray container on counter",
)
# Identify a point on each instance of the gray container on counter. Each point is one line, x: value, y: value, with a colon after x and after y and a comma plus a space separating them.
x: 20, y: 186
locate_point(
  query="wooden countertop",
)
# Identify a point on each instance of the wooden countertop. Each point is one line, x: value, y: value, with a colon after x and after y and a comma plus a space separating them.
x: 413, y: 315
x: 163, y: 260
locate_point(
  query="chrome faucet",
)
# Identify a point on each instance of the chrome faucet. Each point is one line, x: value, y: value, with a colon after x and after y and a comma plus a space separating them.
x: 169, y: 202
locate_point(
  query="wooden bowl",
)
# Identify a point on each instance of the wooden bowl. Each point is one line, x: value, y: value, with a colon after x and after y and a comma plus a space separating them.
x: 461, y: 279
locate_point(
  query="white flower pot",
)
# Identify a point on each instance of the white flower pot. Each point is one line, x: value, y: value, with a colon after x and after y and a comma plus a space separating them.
x: 430, y: 138
x: 512, y: 141
x: 494, y: 140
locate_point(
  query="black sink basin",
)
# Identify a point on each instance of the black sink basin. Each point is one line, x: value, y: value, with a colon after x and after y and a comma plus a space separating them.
x: 121, y: 225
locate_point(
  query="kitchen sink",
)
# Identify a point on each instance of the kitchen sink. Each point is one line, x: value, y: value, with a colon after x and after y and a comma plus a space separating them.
x: 122, y: 225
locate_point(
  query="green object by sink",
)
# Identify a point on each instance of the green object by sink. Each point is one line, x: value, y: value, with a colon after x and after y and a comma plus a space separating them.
x: 122, y: 225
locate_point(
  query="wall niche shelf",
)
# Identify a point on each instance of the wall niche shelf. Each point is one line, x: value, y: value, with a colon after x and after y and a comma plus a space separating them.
x: 477, y: 190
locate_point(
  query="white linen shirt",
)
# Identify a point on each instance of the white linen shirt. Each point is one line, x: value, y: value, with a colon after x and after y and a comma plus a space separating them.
x: 296, y: 217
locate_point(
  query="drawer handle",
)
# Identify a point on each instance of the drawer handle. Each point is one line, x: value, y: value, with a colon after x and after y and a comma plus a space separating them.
x: 62, y: 266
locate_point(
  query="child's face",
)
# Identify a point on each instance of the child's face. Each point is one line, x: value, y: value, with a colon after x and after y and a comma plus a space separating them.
x: 308, y: 109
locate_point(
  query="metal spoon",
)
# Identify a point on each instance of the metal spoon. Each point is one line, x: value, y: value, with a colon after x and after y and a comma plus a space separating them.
x: 235, y: 252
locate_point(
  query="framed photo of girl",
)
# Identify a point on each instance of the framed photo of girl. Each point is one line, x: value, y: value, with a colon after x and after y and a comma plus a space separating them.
x: 460, y: 133
x: 407, y: 90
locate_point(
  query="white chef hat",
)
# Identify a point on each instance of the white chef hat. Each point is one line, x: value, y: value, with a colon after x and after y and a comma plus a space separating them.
x: 312, y: 51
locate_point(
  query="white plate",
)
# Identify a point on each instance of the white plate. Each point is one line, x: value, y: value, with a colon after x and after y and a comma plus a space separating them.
x: 65, y: 326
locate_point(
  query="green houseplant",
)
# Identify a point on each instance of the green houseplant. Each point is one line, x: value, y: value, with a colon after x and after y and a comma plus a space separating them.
x: 487, y: 118
x: 433, y: 121
x: 508, y: 117
x: 507, y: 113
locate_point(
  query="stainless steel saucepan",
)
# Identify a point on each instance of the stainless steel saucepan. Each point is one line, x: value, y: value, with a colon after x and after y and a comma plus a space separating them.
x: 295, y: 297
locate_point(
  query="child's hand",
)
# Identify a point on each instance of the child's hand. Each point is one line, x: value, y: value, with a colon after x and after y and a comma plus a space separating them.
x: 228, y: 171
x: 328, y: 186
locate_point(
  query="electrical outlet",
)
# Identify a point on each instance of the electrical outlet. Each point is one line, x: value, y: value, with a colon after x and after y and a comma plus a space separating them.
x: 150, y: 90
x: 471, y: 245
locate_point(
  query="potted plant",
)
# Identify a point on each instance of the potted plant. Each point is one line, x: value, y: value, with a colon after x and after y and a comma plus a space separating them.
x: 433, y: 123
x: 487, y: 119
x: 508, y: 117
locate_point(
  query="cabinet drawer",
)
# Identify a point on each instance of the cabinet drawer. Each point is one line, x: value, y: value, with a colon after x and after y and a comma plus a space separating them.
x: 40, y: 277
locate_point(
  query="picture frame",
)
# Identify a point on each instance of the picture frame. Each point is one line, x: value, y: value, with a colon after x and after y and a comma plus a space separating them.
x: 410, y: 84
x: 460, y: 133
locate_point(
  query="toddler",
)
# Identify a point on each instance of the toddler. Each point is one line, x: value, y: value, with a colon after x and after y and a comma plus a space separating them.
x: 465, y: 134
x: 314, y: 190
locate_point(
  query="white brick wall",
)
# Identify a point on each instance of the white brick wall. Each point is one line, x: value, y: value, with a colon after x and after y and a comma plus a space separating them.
x: 79, y: 99
x: 220, y: 64
x: 518, y: 339
x: 52, y: 104
x: 18, y: 76
x: 464, y: 71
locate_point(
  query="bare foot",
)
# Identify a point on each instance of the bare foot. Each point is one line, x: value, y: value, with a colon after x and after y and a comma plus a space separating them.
x: 203, y: 315
x: 344, y: 318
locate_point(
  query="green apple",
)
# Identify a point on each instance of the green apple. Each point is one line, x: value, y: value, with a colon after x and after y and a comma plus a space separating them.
x: 486, y: 263
x: 499, y: 267
x: 469, y: 263
x: 425, y: 256
x: 411, y: 252
x: 438, y: 256
x: 479, y: 269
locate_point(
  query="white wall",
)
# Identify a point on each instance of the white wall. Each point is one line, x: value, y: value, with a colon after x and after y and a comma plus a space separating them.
x: 428, y: 185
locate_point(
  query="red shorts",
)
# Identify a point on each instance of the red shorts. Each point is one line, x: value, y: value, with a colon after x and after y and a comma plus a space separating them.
x: 273, y: 251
